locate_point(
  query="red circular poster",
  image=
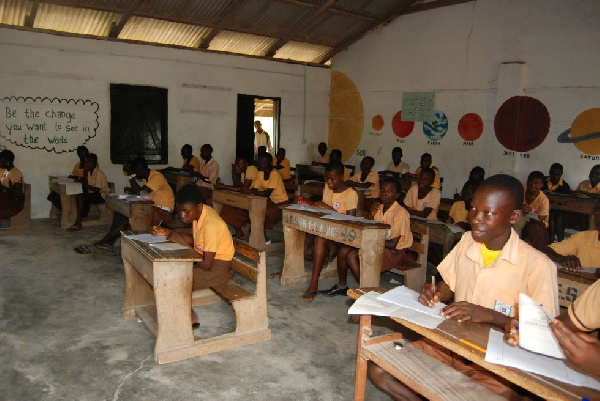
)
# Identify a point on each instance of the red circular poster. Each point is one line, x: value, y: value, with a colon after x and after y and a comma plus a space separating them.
x: 522, y: 123
x: 401, y: 128
x: 470, y: 127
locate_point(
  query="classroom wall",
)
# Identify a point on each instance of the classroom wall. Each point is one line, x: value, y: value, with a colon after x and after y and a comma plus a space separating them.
x: 475, y: 56
x: 202, y: 97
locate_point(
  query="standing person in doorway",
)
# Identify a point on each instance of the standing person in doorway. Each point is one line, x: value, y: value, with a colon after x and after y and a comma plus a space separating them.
x: 261, y: 138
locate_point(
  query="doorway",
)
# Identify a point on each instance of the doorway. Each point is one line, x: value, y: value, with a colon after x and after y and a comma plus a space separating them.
x: 252, y: 108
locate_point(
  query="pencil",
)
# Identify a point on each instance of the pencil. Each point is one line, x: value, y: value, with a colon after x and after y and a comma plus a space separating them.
x: 472, y: 345
x: 433, y: 285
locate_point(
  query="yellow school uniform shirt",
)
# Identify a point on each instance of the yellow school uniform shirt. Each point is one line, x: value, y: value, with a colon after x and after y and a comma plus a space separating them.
x: 340, y: 202
x: 250, y: 174
x: 400, y: 168
x: 399, y: 219
x: 211, y: 234
x: 459, y: 213
x: 346, y: 174
x: 519, y: 268
x: 162, y: 194
x: 10, y: 177
x: 437, y: 182
x: 77, y: 171
x: 432, y: 200
x: 285, y: 172
x: 210, y: 170
x: 97, y: 179
x: 274, y: 182
x: 324, y: 158
x: 584, y: 311
x: 194, y: 162
x: 586, y: 186
x: 584, y: 245
x: 373, y: 178
x: 540, y: 205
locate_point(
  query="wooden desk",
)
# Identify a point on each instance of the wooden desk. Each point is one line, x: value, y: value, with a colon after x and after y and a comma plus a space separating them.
x: 309, y: 172
x: 572, y: 284
x: 477, y: 333
x: 177, y: 178
x: 440, y: 233
x: 316, y: 188
x: 575, y: 203
x: 256, y: 207
x: 368, y: 237
x: 139, y: 212
x: 68, y: 212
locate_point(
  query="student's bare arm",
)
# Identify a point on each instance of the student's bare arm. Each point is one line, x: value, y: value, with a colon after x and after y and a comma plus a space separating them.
x: 391, y: 243
x: 174, y: 236
x: 208, y: 259
x: 467, y: 312
x: 570, y: 262
x: 420, y: 213
x: 581, y: 349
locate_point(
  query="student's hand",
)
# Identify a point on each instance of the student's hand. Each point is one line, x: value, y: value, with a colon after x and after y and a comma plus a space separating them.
x: 301, y: 200
x: 511, y: 332
x: 374, y: 208
x: 581, y: 349
x: 246, y: 191
x: 160, y: 231
x: 128, y: 190
x: 427, y: 297
x: 570, y: 262
x: 450, y: 220
x: 465, y: 311
x: 527, y: 208
x: 322, y: 205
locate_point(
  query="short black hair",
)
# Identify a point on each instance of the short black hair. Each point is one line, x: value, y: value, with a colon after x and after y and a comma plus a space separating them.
x: 556, y: 166
x: 397, y: 149
x: 477, y: 170
x: 282, y: 151
x: 81, y: 147
x: 189, y: 193
x: 208, y: 147
x: 429, y: 171
x: 7, y: 155
x: 261, y: 149
x: 335, y: 166
x: 425, y: 155
x: 391, y: 180
x: 241, y: 157
x: 509, y: 184
x: 596, y: 167
x: 93, y: 156
x: 369, y: 158
x: 139, y: 162
x: 268, y: 156
x: 187, y: 146
x: 536, y: 174
x: 335, y: 153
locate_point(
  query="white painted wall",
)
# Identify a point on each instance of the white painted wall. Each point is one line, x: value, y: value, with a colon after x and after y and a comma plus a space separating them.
x: 36, y: 64
x: 457, y: 51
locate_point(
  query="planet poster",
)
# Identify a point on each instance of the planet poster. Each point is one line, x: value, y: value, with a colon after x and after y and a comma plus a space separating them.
x: 584, y: 132
x: 522, y: 123
x: 437, y: 128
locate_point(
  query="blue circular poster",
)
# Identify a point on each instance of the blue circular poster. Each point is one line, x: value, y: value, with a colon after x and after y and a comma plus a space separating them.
x: 436, y: 129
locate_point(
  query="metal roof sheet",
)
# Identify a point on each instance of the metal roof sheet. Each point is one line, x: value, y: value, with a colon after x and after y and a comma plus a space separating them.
x: 13, y: 12
x: 164, y: 32
x: 242, y: 43
x: 74, y: 20
x: 190, y: 10
x: 371, y: 8
x: 299, y: 51
x: 333, y: 29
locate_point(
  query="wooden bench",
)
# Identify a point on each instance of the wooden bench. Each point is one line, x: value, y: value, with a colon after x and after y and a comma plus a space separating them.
x: 23, y: 218
x: 68, y: 211
x: 414, y: 272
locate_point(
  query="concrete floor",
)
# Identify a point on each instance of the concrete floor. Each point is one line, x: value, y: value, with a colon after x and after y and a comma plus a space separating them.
x: 63, y: 337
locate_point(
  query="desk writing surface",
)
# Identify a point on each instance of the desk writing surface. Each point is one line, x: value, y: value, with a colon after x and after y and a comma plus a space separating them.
x: 156, y: 255
x: 573, y: 203
x: 447, y: 335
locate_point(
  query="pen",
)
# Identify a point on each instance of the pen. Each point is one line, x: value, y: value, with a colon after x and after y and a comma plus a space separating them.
x: 159, y: 224
x: 433, y: 285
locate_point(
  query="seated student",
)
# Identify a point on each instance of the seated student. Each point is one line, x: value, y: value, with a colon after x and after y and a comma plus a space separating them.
x: 268, y: 183
x: 367, y: 179
x: 261, y: 151
x: 282, y: 165
x: 422, y: 199
x: 210, y: 238
x: 336, y: 156
x: 247, y: 174
x: 12, y: 197
x: 535, y: 231
x: 398, y: 238
x: 190, y: 162
x: 591, y: 186
x: 426, y: 161
x: 459, y: 212
x: 337, y: 196
x: 152, y: 182
x: 555, y: 183
x: 323, y: 155
x: 396, y: 167
x: 76, y: 174
x: 579, y: 250
x: 476, y: 176
x: 95, y: 187
x: 208, y: 173
x: 484, y: 274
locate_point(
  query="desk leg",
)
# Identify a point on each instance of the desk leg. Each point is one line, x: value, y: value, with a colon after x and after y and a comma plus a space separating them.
x: 257, y: 212
x: 360, y: 380
x: 138, y: 292
x: 173, y: 293
x: 68, y: 213
x: 140, y: 218
x: 371, y: 257
x: 293, y: 266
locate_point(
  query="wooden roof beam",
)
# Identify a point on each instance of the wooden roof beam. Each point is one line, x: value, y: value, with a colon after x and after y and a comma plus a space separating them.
x: 228, y: 14
x: 30, y: 19
x: 433, y: 5
x: 331, y: 10
x: 116, y: 29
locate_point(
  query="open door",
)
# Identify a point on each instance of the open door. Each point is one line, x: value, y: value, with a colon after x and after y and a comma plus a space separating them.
x: 252, y: 108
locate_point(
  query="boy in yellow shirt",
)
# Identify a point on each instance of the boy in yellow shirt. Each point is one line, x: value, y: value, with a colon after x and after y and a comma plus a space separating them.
x: 369, y: 179
x: 95, y: 187
x: 422, y: 200
x: 282, y: 165
x: 336, y: 157
x: 190, y: 162
x: 426, y: 162
x: 459, y: 212
x: 591, y: 186
x: 247, y: 174
x: 210, y: 238
x: 12, y: 199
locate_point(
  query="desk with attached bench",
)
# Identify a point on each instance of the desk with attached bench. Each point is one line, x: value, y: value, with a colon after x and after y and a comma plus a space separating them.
x: 576, y: 204
x: 572, y: 284
x: 177, y: 178
x: 139, y: 212
x: 441, y: 233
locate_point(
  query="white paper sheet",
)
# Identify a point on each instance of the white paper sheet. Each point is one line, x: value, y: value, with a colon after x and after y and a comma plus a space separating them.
x: 368, y: 304
x: 148, y: 238
x: 583, y: 269
x: 168, y: 246
x: 534, y: 332
x: 404, y: 296
x: 346, y: 217
x: 73, y: 188
x: 501, y: 353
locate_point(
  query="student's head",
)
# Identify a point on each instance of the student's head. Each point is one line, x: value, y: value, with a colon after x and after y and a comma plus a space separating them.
x: 206, y: 152
x: 241, y: 164
x: 322, y: 148
x: 7, y: 158
x: 335, y: 155
x: 334, y: 174
x: 426, y: 178
x: 595, y: 175
x: 535, y: 182
x: 258, y: 126
x: 426, y: 160
x: 91, y: 161
x: 477, y: 174
x: 468, y: 190
x: 367, y: 164
x: 556, y: 171
x: 397, y: 154
x: 261, y: 150
x: 280, y: 154
x: 82, y: 152
x: 496, y: 206
x: 140, y: 168
x: 390, y: 191
x: 186, y: 151
x: 265, y: 162
x: 188, y: 203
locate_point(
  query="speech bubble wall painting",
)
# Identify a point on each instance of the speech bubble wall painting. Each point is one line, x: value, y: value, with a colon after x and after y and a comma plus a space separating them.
x: 54, y: 125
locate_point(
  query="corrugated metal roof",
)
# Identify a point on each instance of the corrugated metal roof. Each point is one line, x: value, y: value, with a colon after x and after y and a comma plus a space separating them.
x: 333, y: 29
x: 234, y: 42
x: 74, y: 20
x: 121, y: 5
x: 301, y: 52
x: 371, y: 8
x: 278, y: 18
x: 13, y: 12
x: 165, y: 32
x: 190, y: 10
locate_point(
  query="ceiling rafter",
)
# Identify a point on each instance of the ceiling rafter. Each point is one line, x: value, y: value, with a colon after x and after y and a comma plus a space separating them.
x: 226, y: 17
x: 116, y: 29
x: 30, y: 19
x: 433, y: 5
x: 331, y: 10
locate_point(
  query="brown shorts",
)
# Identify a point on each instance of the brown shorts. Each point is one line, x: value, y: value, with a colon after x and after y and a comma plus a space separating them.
x: 392, y: 258
x: 220, y: 273
x: 159, y: 215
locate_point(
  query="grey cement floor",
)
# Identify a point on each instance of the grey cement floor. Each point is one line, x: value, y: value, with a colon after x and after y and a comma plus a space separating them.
x: 63, y: 337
